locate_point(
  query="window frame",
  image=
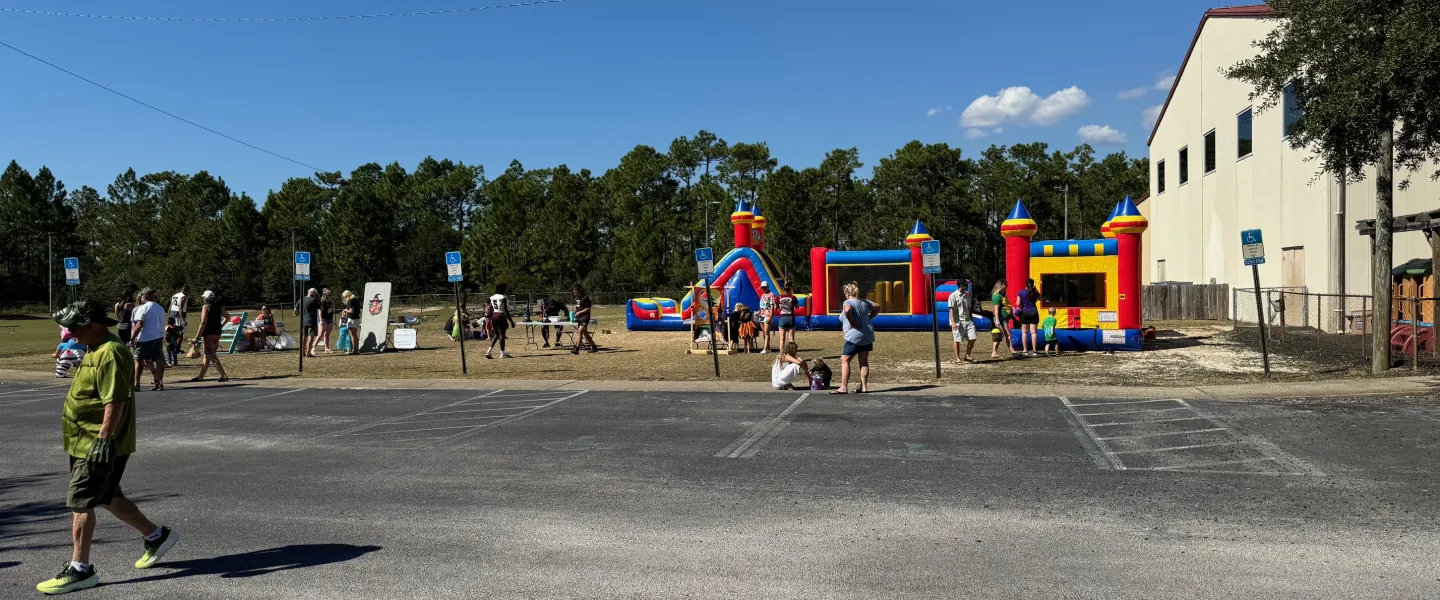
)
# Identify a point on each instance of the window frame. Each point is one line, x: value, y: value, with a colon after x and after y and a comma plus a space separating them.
x: 1159, y: 177
x: 1182, y: 165
x: 1248, y: 139
x: 1211, y: 148
x: 1289, y: 105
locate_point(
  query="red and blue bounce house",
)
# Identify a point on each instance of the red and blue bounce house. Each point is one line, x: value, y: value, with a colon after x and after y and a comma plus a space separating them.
x: 1093, y: 284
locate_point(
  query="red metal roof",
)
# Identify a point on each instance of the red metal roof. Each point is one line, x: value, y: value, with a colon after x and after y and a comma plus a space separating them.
x: 1257, y: 11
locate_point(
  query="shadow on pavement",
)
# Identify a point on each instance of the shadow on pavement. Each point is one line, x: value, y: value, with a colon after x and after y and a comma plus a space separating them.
x: 8, y: 564
x: 259, y: 562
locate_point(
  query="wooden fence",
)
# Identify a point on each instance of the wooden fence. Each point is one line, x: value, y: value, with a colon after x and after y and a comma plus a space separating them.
x: 1186, y: 302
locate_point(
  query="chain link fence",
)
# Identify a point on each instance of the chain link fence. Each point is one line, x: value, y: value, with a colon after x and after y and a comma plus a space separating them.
x: 1333, y: 331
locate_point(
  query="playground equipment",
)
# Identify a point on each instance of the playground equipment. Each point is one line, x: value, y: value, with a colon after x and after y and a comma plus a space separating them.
x: 1093, y: 284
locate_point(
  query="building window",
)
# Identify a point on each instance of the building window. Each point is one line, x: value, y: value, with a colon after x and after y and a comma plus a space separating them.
x: 1160, y: 177
x: 1291, y: 107
x: 1243, y: 130
x: 1210, y: 152
x: 1184, y: 165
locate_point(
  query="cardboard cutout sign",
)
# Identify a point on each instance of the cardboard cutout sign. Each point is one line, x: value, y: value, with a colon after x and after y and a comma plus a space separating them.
x: 374, y: 314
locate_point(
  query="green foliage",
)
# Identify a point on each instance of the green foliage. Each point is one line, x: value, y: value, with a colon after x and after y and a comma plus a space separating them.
x: 631, y: 229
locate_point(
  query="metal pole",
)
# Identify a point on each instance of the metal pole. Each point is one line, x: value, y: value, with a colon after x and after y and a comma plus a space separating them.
x: 935, y: 324
x: 50, y: 253
x: 710, y: 311
x: 1260, y: 311
x: 460, y: 327
x: 295, y: 306
x: 1067, y: 211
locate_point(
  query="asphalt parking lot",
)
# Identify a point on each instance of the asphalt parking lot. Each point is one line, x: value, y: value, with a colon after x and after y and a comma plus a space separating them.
x: 307, y: 493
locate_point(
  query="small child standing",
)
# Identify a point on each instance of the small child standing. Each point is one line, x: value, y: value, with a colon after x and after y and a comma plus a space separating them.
x: 745, y: 327
x: 68, y: 354
x: 173, y: 335
x: 1052, y: 341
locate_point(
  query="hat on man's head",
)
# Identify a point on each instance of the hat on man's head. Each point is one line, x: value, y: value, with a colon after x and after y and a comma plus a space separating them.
x: 83, y: 312
x: 207, y: 295
x: 765, y: 284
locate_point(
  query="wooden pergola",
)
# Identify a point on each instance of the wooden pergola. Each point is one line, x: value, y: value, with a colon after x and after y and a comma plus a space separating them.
x: 1429, y: 223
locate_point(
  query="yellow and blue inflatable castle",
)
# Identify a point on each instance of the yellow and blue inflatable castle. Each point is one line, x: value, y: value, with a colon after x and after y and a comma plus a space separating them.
x: 1094, y: 285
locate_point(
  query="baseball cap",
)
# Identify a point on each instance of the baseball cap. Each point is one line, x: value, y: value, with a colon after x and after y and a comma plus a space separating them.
x: 765, y: 284
x: 207, y: 295
x: 83, y: 312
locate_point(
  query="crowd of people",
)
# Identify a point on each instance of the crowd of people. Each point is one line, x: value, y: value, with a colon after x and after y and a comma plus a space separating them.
x: 154, y: 336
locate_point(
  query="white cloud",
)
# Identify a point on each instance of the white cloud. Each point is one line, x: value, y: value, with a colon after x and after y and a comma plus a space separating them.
x: 998, y: 130
x: 932, y: 112
x: 1165, y: 82
x: 1020, y: 105
x: 1101, y: 135
x: 974, y: 133
x: 1150, y: 115
x: 1132, y: 93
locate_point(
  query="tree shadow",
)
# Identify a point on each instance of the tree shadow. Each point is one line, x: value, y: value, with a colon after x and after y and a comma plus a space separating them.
x: 260, y: 562
x: 7, y: 564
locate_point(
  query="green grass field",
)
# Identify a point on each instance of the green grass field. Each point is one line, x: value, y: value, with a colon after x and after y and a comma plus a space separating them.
x: 22, y: 334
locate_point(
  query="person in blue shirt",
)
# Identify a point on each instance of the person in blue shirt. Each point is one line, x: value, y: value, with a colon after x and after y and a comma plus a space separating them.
x: 859, y: 338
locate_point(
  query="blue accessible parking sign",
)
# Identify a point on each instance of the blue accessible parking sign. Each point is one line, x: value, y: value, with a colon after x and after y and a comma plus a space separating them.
x: 1252, y: 247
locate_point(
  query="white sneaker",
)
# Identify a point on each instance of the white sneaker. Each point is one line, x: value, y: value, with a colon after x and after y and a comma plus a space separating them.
x: 765, y: 351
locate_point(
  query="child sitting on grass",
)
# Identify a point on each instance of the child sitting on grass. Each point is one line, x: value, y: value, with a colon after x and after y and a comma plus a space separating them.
x: 1052, y: 341
x: 68, y: 354
x: 788, y: 368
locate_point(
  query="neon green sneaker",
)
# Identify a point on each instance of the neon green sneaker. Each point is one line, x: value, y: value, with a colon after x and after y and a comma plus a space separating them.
x: 70, y: 580
x: 156, y: 550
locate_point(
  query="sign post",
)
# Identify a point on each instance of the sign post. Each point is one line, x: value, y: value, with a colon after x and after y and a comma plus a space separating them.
x: 1252, y: 247
x: 930, y: 260
x: 455, y: 275
x: 705, y: 265
x: 302, y: 273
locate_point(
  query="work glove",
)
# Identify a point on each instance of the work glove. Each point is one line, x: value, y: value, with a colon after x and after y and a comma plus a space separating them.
x: 101, y: 459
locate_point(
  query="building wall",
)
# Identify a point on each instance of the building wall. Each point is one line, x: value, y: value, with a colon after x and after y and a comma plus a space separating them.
x: 1195, y: 227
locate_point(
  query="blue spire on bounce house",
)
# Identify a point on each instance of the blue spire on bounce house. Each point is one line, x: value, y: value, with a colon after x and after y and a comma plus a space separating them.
x: 1126, y: 208
x: 918, y: 234
x: 919, y: 229
x: 1019, y: 211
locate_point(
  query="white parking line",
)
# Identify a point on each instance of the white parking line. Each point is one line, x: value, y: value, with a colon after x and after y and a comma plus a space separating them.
x: 765, y: 430
x: 470, y: 410
x: 508, y: 419
x: 1177, y: 448
x: 27, y: 400
x: 41, y: 389
x: 1124, y: 402
x: 394, y: 420
x: 1110, y: 456
x: 1151, y: 435
x: 215, y: 406
x: 450, y: 420
x: 408, y: 430
x: 1130, y: 412
x: 1147, y: 422
x: 488, y: 402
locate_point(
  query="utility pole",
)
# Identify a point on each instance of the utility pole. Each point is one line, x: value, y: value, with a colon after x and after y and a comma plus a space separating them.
x: 1382, y: 255
x: 1067, y: 211
x: 50, y: 254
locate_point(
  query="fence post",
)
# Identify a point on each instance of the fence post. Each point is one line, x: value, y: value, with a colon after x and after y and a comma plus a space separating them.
x: 1365, y: 322
x: 1415, y: 332
x: 1234, y: 317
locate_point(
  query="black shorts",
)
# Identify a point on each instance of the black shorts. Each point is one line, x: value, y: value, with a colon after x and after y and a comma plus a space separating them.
x: 87, y: 492
x: 1030, y: 317
x: 151, y: 350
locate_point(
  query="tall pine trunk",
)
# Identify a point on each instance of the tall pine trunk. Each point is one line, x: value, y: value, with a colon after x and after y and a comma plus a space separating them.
x: 1382, y: 258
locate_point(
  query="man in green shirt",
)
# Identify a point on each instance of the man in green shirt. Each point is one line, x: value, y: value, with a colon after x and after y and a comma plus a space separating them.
x: 99, y: 435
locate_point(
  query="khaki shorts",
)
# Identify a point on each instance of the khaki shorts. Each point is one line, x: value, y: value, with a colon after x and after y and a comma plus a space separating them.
x: 86, y: 491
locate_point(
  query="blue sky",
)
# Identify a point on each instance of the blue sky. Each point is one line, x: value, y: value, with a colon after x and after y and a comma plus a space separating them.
x: 579, y: 83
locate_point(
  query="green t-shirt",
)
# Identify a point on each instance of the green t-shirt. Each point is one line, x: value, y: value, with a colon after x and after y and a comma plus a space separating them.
x: 1001, y: 306
x: 1048, y: 325
x: 106, y: 375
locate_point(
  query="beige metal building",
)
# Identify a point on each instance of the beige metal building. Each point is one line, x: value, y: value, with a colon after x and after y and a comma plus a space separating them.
x: 1219, y: 166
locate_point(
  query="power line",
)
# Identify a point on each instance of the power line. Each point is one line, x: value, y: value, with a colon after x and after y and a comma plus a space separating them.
x: 444, y: 11
x: 156, y: 108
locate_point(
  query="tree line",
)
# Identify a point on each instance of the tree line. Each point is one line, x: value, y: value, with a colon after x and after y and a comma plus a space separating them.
x: 632, y: 228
